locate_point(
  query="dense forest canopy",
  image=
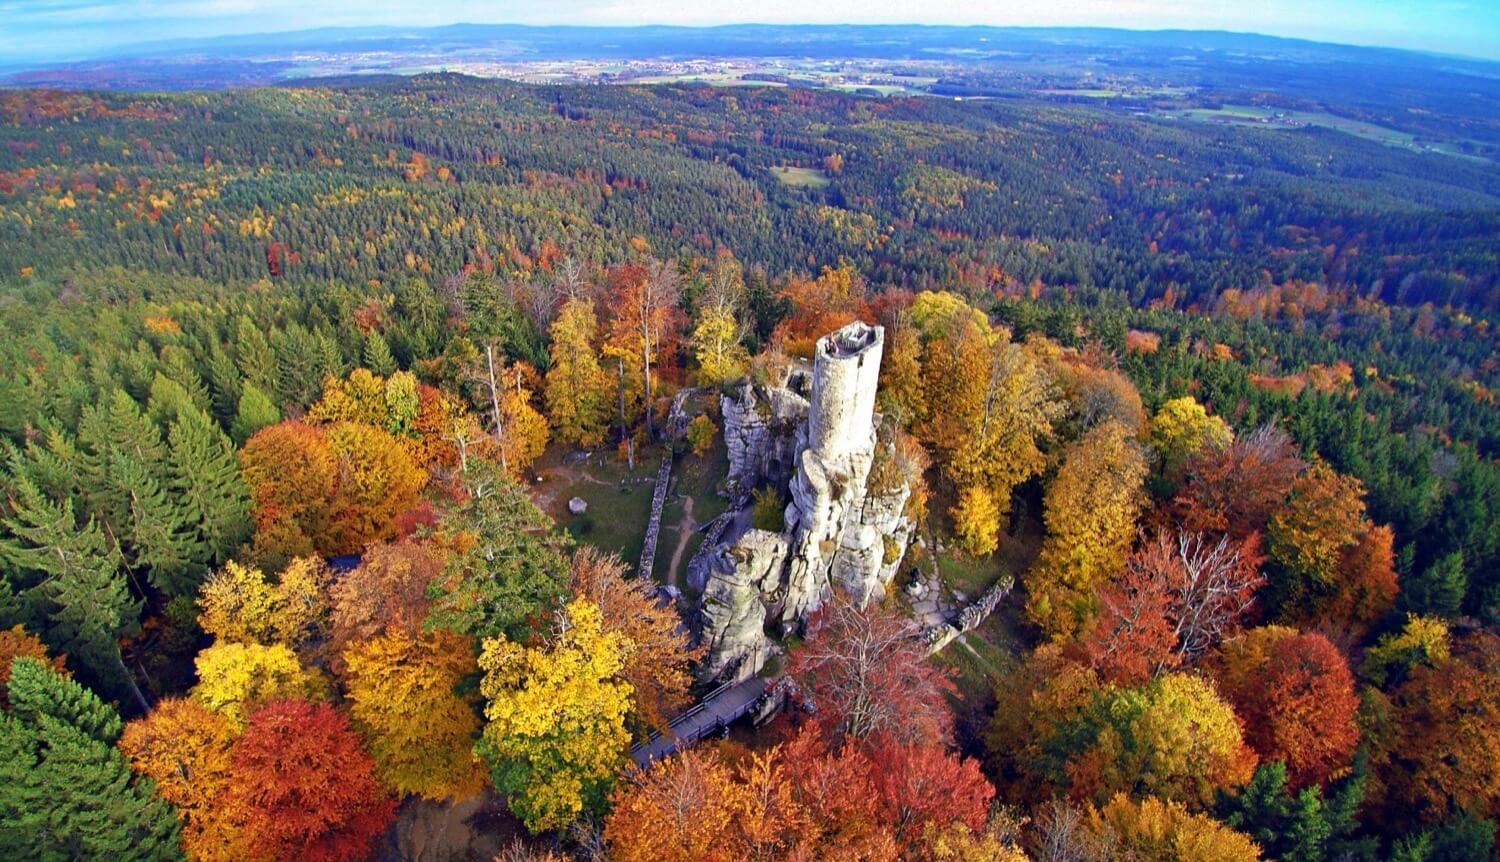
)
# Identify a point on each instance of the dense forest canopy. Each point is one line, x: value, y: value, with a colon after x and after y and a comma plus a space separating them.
x: 277, y: 365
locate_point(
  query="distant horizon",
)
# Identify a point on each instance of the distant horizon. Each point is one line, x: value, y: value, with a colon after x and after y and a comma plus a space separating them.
x: 52, y: 32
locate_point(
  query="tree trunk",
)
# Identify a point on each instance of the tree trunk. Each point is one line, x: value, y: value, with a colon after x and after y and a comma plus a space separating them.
x: 130, y: 681
x: 489, y: 357
x: 624, y: 431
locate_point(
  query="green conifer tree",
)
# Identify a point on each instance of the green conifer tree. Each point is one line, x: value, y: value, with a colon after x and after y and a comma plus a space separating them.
x: 65, y: 791
x: 254, y: 355
x: 377, y: 355
x: 204, y: 477
x: 225, y: 383
x: 256, y: 411
x: 1439, y: 589
x: 76, y: 582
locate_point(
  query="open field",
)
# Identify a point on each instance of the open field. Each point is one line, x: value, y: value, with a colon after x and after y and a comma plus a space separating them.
x: 805, y: 177
x: 1284, y: 119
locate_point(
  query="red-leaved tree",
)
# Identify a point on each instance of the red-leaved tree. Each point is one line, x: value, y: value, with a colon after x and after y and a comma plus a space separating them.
x: 1295, y: 694
x: 1180, y: 596
x: 1236, y: 489
x: 304, y: 787
x: 868, y: 674
x: 922, y: 783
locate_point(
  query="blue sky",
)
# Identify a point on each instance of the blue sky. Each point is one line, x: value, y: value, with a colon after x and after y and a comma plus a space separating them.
x: 33, y: 30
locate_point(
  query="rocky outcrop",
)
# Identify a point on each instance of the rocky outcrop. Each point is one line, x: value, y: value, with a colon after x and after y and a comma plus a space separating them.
x: 760, y: 431
x: 845, y: 524
x: 741, y: 577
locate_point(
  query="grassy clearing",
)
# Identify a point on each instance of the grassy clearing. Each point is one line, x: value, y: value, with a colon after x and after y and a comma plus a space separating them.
x: 619, y: 502
x: 804, y: 177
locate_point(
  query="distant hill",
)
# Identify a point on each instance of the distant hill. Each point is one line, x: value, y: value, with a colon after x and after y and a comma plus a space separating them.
x: 264, y: 58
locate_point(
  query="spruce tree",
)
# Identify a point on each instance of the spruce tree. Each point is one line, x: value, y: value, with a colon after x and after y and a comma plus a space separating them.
x: 254, y: 355
x: 377, y: 355
x: 1439, y: 589
x: 256, y: 411
x: 35, y: 690
x: 205, y: 479
x: 224, y: 383
x: 77, y: 582
x: 160, y: 540
x: 65, y: 791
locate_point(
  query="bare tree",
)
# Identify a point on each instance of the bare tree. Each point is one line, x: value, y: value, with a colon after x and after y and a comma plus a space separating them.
x: 1060, y: 833
x: 867, y: 673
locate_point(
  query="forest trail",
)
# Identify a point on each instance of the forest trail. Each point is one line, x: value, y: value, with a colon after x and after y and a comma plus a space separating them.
x: 685, y: 529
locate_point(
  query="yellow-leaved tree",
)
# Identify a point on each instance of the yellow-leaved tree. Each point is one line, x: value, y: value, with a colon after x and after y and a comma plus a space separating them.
x: 1182, y: 429
x: 556, y: 736
x: 986, y: 403
x: 525, y: 427
x: 1091, y: 508
x: 238, y: 603
x: 716, y: 346
x: 719, y: 332
x: 976, y: 521
x: 236, y: 678
x: 577, y: 387
x: 401, y: 689
x: 1167, y: 831
x: 661, y: 657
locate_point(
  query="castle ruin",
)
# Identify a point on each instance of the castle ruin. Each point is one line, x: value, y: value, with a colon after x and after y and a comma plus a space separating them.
x: 845, y: 525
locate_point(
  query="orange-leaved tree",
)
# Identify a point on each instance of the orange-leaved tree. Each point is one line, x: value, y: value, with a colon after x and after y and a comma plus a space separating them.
x: 1295, y: 694
x: 185, y: 748
x: 1180, y: 596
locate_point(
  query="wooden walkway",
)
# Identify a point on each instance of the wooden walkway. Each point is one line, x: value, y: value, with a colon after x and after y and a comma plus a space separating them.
x: 721, y: 708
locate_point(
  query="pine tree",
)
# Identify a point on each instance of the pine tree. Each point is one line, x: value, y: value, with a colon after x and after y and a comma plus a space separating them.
x: 204, y: 476
x: 512, y: 566
x: 65, y: 791
x: 178, y: 366
x: 80, y: 586
x: 330, y: 355
x: 1291, y: 828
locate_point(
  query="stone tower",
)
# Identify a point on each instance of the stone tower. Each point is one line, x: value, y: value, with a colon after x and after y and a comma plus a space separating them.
x: 824, y: 517
x: 846, y: 373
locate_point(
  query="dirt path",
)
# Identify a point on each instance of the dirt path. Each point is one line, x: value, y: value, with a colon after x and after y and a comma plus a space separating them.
x: 685, y: 529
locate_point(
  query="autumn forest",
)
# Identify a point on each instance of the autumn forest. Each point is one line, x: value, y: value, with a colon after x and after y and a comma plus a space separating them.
x: 331, y: 416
